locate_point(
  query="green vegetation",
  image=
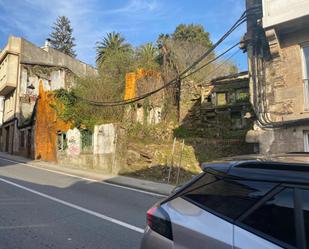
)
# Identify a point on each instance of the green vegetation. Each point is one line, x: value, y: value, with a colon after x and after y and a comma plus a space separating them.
x: 112, y: 44
x: 61, y: 37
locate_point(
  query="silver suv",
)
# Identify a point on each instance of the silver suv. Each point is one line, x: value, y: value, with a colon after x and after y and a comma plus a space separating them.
x: 238, y: 204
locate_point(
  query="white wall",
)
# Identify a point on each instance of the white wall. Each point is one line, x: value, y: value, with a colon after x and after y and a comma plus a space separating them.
x: 279, y: 11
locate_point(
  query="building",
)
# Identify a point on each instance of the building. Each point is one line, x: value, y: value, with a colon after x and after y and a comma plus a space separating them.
x: 218, y: 121
x: 222, y: 109
x: 23, y: 66
x: 225, y: 101
x: 277, y: 42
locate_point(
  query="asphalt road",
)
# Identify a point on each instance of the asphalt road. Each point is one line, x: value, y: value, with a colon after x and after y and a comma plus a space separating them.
x: 41, y: 209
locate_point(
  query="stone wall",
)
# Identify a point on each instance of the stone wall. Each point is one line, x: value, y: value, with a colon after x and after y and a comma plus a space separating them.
x: 284, y: 77
x: 277, y: 86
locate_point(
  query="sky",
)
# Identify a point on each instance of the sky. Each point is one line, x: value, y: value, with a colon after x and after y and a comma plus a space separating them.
x: 139, y: 21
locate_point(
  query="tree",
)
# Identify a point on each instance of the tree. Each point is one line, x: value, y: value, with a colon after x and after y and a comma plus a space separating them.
x: 111, y: 44
x: 147, y: 57
x: 192, y: 33
x: 61, y: 37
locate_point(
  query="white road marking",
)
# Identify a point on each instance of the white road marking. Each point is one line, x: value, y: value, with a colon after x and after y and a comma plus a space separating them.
x: 85, y: 210
x: 84, y: 178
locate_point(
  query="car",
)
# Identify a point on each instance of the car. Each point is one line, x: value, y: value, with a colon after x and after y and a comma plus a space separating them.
x: 255, y: 203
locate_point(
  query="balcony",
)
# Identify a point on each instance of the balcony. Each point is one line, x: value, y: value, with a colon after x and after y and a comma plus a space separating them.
x: 8, y: 74
x: 284, y: 14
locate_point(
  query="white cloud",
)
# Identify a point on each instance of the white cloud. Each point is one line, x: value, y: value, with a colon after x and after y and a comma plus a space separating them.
x: 134, y: 6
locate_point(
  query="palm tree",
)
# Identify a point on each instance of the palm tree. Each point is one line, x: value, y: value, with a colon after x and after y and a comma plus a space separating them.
x: 147, y: 52
x: 113, y: 42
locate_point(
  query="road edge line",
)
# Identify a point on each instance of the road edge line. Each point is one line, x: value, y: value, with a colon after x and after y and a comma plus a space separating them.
x: 86, y: 179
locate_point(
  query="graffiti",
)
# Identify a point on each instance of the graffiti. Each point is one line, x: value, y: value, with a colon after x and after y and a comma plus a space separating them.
x: 74, y: 142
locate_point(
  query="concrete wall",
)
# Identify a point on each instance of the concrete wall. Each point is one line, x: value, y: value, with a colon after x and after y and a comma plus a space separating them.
x: 272, y: 141
x: 31, y: 54
x: 276, y: 12
x: 108, y: 154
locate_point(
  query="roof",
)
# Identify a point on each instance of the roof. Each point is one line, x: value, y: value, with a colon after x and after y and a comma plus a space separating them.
x: 287, y: 168
x: 232, y: 77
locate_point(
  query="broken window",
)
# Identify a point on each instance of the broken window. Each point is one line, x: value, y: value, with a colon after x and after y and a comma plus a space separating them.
x: 221, y: 98
x: 61, y: 141
x: 242, y: 95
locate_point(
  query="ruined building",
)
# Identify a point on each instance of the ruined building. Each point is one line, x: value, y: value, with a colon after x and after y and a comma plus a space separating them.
x: 23, y: 67
x: 222, y: 108
x: 149, y: 110
x: 277, y: 42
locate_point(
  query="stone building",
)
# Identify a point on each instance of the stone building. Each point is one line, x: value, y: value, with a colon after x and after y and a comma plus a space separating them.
x: 146, y: 111
x: 222, y: 108
x: 227, y: 98
x: 22, y: 66
x: 277, y: 42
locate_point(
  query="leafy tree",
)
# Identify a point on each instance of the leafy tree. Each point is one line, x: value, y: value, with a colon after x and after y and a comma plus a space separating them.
x: 192, y: 33
x: 61, y: 37
x: 112, y: 43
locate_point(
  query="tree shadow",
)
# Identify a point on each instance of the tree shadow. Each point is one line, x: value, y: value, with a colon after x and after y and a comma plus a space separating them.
x: 216, y: 132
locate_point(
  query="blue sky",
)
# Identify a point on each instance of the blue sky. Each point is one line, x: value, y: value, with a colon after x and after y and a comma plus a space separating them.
x: 139, y: 21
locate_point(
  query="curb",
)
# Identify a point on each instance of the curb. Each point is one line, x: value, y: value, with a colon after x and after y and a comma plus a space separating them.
x: 155, y: 188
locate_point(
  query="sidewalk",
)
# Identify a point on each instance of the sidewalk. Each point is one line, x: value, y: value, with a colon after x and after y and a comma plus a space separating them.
x: 92, y: 175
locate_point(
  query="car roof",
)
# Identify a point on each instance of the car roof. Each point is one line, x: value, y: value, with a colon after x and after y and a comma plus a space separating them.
x: 285, y: 168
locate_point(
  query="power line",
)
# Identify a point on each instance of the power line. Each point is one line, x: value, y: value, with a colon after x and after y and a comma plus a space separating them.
x: 183, y: 74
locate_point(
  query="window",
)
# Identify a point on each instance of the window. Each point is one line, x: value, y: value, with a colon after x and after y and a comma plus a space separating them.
x: 242, y: 95
x: 221, y: 99
x: 306, y: 75
x: 61, y: 141
x: 306, y: 141
x: 228, y: 198
x: 275, y: 218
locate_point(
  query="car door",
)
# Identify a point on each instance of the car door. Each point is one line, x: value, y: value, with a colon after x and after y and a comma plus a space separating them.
x: 273, y: 223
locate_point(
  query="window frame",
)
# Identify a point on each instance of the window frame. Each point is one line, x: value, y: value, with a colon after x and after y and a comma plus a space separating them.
x: 306, y: 140
x: 222, y: 216
x: 305, y: 76
x: 299, y: 229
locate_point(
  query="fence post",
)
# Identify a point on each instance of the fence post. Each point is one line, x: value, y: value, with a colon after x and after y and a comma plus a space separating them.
x: 172, y: 162
x: 180, y: 159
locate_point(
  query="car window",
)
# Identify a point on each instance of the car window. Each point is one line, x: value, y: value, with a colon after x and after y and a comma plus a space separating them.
x: 275, y: 218
x: 229, y: 198
x: 305, y: 194
x: 202, y: 181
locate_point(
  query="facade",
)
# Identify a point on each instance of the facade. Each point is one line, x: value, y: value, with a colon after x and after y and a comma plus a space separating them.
x: 227, y: 99
x: 222, y: 109
x: 23, y: 66
x: 147, y: 112
x: 277, y: 42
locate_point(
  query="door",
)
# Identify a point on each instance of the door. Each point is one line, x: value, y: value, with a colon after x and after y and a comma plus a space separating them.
x: 29, y: 143
x: 7, y: 139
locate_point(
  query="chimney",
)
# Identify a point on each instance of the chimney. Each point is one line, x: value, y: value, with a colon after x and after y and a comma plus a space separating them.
x: 47, y: 43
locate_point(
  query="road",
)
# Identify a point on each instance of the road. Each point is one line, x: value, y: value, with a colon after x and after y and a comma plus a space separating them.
x: 42, y: 209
